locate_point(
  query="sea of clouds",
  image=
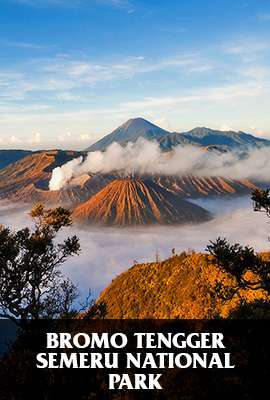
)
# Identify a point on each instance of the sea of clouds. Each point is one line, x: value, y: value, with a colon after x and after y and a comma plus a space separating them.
x: 106, y: 252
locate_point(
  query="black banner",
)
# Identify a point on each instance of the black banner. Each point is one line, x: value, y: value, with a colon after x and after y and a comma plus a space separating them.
x: 172, y: 359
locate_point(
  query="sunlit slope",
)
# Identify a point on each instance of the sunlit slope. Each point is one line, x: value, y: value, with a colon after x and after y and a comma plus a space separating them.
x: 182, y: 286
x: 28, y: 178
x: 194, y: 186
x: 138, y: 202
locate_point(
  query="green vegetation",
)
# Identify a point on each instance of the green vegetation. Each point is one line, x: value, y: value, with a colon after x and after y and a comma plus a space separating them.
x: 261, y: 200
x: 247, y: 269
x: 184, y: 286
x: 231, y: 281
x: 32, y: 283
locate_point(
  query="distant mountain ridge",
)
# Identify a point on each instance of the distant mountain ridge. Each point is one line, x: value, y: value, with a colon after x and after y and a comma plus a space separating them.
x: 131, y: 130
x: 27, y: 180
x: 10, y: 156
x: 33, y: 170
x: 25, y: 174
x: 210, y: 137
x: 135, y: 128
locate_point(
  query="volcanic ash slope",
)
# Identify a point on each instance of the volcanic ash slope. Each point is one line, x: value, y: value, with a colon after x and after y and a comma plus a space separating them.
x: 138, y: 202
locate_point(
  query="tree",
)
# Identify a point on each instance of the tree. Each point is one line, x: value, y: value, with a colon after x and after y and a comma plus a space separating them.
x: 247, y: 268
x: 261, y: 200
x: 259, y: 309
x: 31, y: 281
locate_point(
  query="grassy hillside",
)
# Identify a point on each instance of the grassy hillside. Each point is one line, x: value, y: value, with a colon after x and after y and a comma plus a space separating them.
x: 182, y: 286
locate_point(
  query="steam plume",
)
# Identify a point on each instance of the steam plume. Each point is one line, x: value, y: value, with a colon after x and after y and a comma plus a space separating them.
x: 61, y: 175
x: 144, y: 157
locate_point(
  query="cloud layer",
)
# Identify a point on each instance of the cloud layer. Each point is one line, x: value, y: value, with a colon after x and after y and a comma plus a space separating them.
x: 106, y: 252
x: 144, y: 157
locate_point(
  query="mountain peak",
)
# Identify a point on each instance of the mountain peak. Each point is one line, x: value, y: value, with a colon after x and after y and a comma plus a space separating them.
x: 135, y: 121
x: 142, y: 125
x: 138, y: 127
x: 138, y: 202
x: 130, y: 131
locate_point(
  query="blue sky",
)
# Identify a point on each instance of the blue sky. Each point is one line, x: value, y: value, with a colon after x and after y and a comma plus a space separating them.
x: 71, y: 71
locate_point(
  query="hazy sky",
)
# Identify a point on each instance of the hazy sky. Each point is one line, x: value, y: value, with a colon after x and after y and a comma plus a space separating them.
x: 73, y: 70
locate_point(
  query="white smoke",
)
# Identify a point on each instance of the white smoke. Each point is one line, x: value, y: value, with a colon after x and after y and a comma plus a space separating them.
x: 144, y: 157
x: 61, y: 175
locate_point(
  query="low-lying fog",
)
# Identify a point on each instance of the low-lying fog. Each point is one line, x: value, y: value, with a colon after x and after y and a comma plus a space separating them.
x: 106, y: 252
